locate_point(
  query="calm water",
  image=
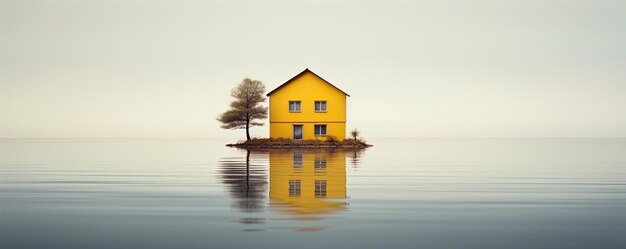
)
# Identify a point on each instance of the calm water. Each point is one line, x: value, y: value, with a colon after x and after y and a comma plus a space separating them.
x: 402, y: 193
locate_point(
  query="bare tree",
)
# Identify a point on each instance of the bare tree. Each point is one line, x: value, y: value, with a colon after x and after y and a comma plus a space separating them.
x: 246, y: 108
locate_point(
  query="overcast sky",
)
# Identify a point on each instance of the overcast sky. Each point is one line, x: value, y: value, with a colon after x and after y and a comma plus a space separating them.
x: 93, y: 68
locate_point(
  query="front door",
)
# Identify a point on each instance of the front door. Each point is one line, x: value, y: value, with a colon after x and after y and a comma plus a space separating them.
x: 297, y: 132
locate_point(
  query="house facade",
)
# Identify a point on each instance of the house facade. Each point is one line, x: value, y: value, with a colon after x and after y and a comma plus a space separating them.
x: 307, y: 107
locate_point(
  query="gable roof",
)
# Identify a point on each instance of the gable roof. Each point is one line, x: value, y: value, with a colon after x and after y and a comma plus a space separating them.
x: 298, y: 75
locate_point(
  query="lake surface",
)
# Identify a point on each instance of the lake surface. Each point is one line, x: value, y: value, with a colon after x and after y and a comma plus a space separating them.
x: 401, y: 193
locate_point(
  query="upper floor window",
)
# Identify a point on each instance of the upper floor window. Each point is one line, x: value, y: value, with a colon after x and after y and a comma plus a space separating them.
x: 294, y: 188
x: 320, y: 130
x: 320, y: 188
x: 294, y: 106
x: 320, y: 106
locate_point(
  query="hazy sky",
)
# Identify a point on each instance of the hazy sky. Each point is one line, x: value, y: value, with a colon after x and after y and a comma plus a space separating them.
x: 89, y: 68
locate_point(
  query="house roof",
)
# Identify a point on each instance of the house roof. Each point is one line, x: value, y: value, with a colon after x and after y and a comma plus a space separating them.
x: 298, y: 75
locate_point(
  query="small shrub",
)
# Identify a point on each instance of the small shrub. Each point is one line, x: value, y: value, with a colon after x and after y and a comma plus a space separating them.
x: 355, y: 133
x: 332, y: 139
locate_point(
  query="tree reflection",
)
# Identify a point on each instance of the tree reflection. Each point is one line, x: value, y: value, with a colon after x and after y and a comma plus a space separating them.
x: 246, y: 182
x: 355, y: 156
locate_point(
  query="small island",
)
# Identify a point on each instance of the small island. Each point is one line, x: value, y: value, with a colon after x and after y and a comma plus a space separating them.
x: 349, y: 143
x: 306, y: 111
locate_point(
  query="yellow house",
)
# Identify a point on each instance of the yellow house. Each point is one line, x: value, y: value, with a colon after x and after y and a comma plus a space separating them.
x: 307, y: 107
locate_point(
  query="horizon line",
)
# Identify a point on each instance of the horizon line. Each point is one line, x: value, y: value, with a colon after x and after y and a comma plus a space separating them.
x: 201, y: 137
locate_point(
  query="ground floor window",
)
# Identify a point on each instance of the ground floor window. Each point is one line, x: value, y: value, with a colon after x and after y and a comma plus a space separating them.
x: 320, y: 130
x: 297, y: 132
x: 320, y: 163
x: 297, y: 159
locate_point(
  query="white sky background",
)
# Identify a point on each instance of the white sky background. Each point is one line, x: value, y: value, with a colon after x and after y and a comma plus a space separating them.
x: 414, y: 68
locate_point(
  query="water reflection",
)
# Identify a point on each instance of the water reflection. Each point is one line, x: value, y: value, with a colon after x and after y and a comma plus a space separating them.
x: 304, y: 185
x: 246, y: 181
x: 307, y: 183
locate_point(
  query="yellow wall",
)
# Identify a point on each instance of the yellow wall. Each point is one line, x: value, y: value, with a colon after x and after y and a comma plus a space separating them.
x: 282, y: 170
x: 307, y: 88
x: 285, y: 130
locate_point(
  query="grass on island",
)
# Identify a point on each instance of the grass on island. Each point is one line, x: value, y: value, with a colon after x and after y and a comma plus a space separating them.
x: 330, y: 142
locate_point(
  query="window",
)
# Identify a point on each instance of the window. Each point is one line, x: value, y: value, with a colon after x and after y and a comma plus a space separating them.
x: 320, y: 130
x: 320, y: 163
x: 294, y: 106
x: 294, y: 188
x: 320, y: 106
x: 320, y: 188
x: 297, y: 131
x: 297, y: 160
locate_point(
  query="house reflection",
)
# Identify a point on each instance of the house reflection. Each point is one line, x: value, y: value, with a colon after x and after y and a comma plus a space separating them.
x: 304, y: 185
x: 307, y: 183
